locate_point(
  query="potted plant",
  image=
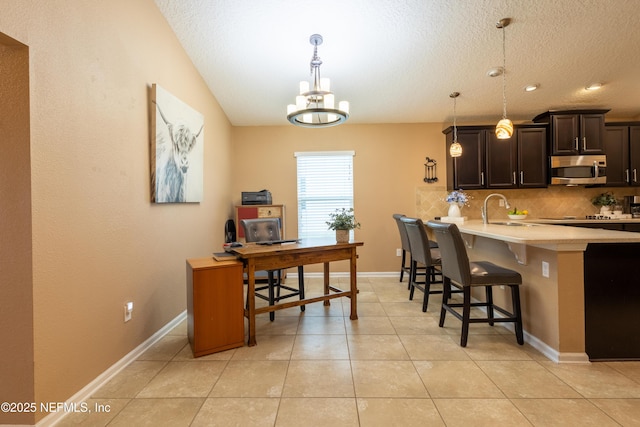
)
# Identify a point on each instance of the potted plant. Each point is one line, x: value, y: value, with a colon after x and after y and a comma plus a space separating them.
x: 605, y: 201
x: 342, y: 220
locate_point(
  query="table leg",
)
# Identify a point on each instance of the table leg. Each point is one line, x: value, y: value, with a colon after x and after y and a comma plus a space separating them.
x: 326, y: 283
x: 251, y: 302
x: 354, y: 285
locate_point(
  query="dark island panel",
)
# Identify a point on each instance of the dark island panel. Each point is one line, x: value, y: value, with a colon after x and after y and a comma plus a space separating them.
x: 612, y: 301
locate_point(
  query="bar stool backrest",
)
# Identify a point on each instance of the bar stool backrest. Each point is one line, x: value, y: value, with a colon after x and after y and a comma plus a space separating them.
x: 418, y: 240
x: 404, y: 239
x: 455, y: 261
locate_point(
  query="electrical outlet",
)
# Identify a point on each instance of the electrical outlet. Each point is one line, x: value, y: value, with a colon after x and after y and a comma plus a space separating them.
x: 398, y: 252
x: 500, y: 202
x: 545, y: 269
x: 128, y: 309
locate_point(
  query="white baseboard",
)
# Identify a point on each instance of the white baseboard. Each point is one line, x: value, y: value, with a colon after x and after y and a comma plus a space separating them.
x: 294, y: 274
x: 86, y: 392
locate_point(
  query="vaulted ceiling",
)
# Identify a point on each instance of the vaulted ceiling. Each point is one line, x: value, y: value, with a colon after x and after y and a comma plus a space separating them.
x: 397, y: 61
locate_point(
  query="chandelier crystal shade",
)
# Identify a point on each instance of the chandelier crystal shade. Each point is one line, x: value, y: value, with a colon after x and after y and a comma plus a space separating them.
x: 316, y: 105
x: 455, y: 149
x: 504, y: 128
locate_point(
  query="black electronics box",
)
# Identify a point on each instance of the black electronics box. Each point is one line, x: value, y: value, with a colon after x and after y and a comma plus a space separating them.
x: 256, y: 197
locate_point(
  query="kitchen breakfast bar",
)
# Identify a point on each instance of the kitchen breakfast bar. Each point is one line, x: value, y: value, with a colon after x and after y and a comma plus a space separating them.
x: 580, y: 293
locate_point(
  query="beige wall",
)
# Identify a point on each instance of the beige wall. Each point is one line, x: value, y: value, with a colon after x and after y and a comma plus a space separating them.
x: 388, y: 168
x: 97, y: 240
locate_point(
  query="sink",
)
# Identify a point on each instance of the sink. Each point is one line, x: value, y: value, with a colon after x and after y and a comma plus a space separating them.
x: 514, y: 224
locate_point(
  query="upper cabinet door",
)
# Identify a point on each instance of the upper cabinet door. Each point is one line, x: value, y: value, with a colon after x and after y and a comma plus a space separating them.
x: 565, y: 138
x: 634, y: 155
x: 468, y: 169
x: 617, y: 148
x: 501, y: 161
x: 592, y: 134
x: 533, y: 161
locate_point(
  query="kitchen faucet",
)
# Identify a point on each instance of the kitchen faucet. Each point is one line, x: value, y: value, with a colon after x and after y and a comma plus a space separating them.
x: 485, y: 215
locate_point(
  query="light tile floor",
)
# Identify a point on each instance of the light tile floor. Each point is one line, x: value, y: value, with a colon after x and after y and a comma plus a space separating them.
x: 392, y: 366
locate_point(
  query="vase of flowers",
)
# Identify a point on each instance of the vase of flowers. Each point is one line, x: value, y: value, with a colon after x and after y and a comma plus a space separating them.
x: 342, y: 221
x: 456, y: 200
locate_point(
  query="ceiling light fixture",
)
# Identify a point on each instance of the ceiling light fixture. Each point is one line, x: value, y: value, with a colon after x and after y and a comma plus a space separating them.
x: 594, y: 86
x: 455, y: 150
x: 531, y: 88
x: 504, y: 128
x: 315, y: 107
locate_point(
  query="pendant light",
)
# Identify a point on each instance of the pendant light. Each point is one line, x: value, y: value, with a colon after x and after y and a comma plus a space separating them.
x: 504, y: 128
x: 455, y: 150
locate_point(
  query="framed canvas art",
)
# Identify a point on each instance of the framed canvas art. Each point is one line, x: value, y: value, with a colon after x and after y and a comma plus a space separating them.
x: 176, y: 149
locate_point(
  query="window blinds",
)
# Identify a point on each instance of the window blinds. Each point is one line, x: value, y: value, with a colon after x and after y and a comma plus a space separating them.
x: 325, y: 183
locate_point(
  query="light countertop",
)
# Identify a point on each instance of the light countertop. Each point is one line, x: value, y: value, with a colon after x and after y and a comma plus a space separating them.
x: 541, y: 234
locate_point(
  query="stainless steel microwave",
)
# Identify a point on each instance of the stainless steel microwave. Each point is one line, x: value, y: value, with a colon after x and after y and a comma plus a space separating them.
x: 578, y: 170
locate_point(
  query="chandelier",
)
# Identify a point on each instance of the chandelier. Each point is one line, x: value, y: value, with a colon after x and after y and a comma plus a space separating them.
x: 504, y: 128
x: 455, y: 149
x: 315, y: 106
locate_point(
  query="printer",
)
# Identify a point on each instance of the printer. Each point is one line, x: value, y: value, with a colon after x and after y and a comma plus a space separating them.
x: 262, y: 197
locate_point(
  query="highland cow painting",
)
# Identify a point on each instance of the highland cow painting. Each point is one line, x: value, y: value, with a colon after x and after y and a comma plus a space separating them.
x: 176, y: 149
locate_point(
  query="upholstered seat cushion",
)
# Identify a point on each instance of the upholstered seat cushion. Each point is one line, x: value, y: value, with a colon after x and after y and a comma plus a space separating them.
x: 487, y: 273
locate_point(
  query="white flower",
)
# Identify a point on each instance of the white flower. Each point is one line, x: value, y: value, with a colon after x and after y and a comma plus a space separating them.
x: 458, y: 196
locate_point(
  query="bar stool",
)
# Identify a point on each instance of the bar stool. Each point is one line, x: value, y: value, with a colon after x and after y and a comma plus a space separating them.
x: 406, y: 249
x: 458, y: 271
x: 422, y: 253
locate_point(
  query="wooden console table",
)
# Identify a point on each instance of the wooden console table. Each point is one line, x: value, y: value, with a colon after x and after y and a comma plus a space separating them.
x: 280, y: 256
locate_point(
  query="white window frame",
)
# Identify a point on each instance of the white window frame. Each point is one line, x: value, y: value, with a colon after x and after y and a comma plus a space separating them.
x: 324, y: 183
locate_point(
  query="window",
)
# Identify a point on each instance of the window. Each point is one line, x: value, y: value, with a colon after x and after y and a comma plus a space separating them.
x: 325, y: 183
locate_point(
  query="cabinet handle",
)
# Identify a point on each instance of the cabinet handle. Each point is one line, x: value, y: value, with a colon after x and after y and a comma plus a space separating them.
x: 576, y: 144
x: 514, y: 178
x: 584, y: 143
x: 635, y: 176
x: 481, y: 178
x: 626, y: 175
x: 521, y: 177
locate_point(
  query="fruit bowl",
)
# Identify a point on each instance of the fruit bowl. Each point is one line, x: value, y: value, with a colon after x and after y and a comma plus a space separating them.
x: 517, y: 216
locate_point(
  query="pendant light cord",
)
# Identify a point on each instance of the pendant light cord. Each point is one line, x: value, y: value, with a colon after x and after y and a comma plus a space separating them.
x: 504, y: 78
x: 455, y: 129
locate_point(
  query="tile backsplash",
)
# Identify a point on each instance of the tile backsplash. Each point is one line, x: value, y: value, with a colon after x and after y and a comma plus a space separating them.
x: 554, y: 201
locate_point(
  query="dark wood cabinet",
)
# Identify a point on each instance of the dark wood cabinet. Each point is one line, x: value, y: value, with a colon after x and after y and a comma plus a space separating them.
x: 575, y: 132
x: 533, y: 161
x: 467, y: 171
x: 489, y: 162
x: 634, y: 154
x: 617, y: 149
x: 502, y: 157
x: 622, y: 146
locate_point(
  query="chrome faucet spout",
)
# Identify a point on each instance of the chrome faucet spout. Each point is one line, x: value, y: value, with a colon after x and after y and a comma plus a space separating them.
x: 485, y: 215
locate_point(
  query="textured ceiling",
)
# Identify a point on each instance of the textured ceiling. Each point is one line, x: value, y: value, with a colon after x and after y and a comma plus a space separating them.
x: 397, y: 61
